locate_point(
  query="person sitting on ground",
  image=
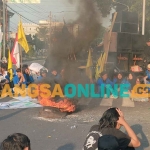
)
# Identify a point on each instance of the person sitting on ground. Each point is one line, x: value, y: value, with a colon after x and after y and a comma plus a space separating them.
x: 27, y: 75
x: 56, y: 76
x: 130, y: 81
x: 16, y: 141
x: 110, y: 124
x: 108, y: 142
x: 147, y: 74
x: 119, y: 79
x: 43, y: 74
x: 140, y: 95
x: 19, y: 78
x: 4, y: 77
x: 105, y: 81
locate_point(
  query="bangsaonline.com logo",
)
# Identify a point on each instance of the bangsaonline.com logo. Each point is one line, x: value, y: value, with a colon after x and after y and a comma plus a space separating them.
x: 71, y: 91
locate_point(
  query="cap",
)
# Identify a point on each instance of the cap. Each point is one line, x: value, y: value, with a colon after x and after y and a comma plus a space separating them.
x: 43, y: 71
x: 108, y: 142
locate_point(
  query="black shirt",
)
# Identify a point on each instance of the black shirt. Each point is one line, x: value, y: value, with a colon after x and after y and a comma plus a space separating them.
x: 91, y: 142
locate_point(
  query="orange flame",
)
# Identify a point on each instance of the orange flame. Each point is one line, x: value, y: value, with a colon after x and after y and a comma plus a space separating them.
x: 65, y: 105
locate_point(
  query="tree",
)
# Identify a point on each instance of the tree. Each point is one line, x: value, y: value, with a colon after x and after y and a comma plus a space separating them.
x: 106, y: 6
x: 42, y: 33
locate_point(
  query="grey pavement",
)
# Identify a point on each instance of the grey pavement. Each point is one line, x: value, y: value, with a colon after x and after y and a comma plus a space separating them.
x: 70, y: 133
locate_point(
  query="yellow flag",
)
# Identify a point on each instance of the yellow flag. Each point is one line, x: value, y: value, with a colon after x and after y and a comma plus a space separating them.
x: 89, y: 65
x: 103, y: 63
x: 22, y: 38
x: 98, y: 66
x: 10, y: 67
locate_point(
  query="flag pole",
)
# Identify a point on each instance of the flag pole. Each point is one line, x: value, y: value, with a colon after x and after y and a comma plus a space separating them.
x: 20, y: 51
x: 4, y: 27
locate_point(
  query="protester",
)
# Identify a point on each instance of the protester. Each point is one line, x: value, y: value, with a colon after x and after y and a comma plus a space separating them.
x: 130, y: 81
x: 119, y: 79
x: 19, y: 78
x: 110, y: 123
x: 104, y: 81
x: 108, y: 142
x: 143, y: 94
x: 147, y: 74
x: 17, y: 141
x: 27, y: 75
x: 4, y: 77
x: 43, y: 74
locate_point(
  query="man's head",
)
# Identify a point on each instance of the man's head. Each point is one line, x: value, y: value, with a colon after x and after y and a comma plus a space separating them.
x: 104, y: 75
x: 16, y: 141
x: 109, y: 119
x: 108, y: 142
x: 43, y: 73
x: 18, y: 71
x: 25, y: 69
x: 119, y: 76
x: 54, y: 72
x: 3, y: 67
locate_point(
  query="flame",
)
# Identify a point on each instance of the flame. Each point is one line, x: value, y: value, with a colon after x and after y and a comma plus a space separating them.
x: 65, y: 105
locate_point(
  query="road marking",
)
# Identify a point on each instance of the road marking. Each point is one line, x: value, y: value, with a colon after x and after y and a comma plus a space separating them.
x: 106, y: 102
x: 126, y: 102
x: 84, y: 101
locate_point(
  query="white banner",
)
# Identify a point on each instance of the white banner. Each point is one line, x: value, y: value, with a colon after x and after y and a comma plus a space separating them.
x: 36, y: 67
x: 20, y: 102
x: 25, y: 1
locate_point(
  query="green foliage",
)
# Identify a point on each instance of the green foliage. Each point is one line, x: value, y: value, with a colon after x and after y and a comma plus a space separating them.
x: 105, y: 7
x: 42, y: 33
x: 31, y: 51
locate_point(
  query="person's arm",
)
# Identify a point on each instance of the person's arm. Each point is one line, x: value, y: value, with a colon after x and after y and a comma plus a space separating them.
x: 22, y: 79
x: 134, y: 139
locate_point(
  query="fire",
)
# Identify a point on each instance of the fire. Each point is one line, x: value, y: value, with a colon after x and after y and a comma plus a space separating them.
x: 65, y: 105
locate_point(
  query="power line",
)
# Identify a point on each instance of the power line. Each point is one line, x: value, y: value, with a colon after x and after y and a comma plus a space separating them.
x: 20, y: 15
x: 28, y: 12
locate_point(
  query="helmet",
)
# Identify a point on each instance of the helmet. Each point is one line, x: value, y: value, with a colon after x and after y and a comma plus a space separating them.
x: 43, y: 71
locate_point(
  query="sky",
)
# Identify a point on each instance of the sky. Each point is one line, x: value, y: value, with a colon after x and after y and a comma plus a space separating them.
x: 36, y: 12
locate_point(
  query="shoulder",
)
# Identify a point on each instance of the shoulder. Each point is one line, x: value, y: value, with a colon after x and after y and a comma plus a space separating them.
x: 99, y: 80
x: 117, y: 133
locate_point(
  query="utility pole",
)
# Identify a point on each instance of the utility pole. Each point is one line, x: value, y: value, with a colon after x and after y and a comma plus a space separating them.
x: 50, y: 18
x: 4, y: 27
x: 143, y: 22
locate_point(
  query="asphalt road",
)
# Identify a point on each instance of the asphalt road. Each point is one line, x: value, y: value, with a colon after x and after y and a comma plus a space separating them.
x: 69, y: 133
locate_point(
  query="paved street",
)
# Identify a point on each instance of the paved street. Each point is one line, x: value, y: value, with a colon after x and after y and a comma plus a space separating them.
x: 69, y: 133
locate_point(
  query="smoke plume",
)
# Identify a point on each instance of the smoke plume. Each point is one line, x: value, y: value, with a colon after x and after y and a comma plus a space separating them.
x: 66, y: 44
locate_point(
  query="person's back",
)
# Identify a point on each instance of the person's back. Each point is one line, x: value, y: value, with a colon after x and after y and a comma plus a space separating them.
x: 110, y: 124
x: 108, y: 142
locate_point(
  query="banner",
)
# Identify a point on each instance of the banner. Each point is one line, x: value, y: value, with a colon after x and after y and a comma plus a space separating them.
x: 24, y: 1
x: 36, y: 67
x: 20, y: 102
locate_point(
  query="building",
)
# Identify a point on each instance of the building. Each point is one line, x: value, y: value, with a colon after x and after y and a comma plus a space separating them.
x: 30, y: 28
x: 48, y: 24
x: 74, y: 29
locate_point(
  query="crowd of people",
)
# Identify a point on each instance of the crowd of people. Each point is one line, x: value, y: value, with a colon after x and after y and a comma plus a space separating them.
x: 106, y: 135
x: 24, y: 75
x: 131, y: 79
